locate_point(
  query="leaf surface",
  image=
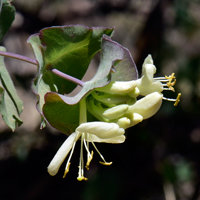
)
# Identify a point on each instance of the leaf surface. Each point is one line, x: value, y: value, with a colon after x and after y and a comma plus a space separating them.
x: 10, y: 104
x: 68, y: 49
x: 7, y: 16
x: 62, y: 111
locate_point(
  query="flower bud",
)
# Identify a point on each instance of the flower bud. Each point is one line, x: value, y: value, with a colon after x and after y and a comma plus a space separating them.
x: 118, y: 87
x: 111, y: 99
x: 123, y: 122
x: 115, y: 112
x: 135, y: 119
x: 147, y: 84
x: 147, y: 106
x: 134, y: 93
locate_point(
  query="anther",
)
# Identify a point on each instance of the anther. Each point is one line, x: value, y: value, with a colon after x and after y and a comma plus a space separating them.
x: 177, y: 99
x: 89, y: 160
x: 66, y: 170
x: 171, y: 77
x: 82, y: 178
x: 106, y: 163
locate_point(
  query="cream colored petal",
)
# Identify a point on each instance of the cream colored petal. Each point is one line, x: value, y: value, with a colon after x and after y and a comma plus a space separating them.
x: 61, y: 154
x: 147, y: 106
x: 136, y: 118
x: 114, y: 140
x: 149, y: 87
x: 118, y: 87
x: 102, y: 130
x: 116, y: 111
x: 123, y: 122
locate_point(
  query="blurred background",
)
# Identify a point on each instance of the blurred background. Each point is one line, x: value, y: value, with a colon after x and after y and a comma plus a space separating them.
x: 160, y: 160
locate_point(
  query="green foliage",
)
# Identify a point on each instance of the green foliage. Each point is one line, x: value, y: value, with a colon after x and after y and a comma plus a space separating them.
x: 68, y: 49
x: 7, y: 15
x: 62, y: 112
x: 10, y: 104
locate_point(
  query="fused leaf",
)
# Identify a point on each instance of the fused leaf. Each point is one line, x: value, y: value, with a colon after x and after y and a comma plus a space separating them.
x: 68, y: 49
x: 112, y: 54
x: 10, y: 104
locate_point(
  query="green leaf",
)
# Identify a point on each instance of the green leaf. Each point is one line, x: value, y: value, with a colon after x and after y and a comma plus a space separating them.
x: 7, y: 15
x: 68, y: 49
x: 62, y: 111
x: 10, y: 104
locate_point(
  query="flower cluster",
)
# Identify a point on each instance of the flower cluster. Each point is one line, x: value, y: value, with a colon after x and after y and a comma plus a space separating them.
x: 117, y: 108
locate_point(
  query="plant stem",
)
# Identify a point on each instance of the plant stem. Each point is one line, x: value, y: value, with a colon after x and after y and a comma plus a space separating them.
x: 34, y: 62
x: 19, y: 57
x: 82, y: 111
x: 68, y: 77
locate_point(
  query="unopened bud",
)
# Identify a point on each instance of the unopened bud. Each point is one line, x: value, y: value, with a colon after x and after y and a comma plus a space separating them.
x: 147, y: 106
x: 115, y: 112
x: 111, y: 99
x: 118, y: 87
x: 134, y: 93
x: 123, y: 122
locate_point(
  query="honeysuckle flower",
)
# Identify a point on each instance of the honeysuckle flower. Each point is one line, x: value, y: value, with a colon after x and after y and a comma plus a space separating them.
x: 88, y: 132
x: 148, y: 84
x: 117, y: 108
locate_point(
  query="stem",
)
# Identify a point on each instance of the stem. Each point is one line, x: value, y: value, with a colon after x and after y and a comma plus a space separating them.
x: 83, y: 111
x: 19, y: 57
x: 68, y: 77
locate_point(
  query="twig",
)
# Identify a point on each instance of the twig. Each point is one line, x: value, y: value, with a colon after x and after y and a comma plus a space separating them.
x: 19, y: 57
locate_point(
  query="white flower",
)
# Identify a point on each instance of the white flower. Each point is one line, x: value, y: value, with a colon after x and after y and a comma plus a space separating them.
x: 148, y: 84
x: 117, y: 108
x: 89, y: 132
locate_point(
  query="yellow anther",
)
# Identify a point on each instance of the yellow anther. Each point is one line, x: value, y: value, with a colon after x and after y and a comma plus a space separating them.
x: 177, y: 99
x: 171, y: 82
x: 105, y: 163
x: 66, y: 170
x: 82, y: 178
x: 89, y: 160
x: 171, y: 77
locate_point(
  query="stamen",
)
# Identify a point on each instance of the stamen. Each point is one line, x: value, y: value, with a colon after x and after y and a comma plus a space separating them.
x: 168, y: 89
x: 171, y: 77
x: 82, y: 178
x: 89, y: 160
x: 168, y: 99
x: 104, y: 163
x: 86, y: 147
x: 66, y: 169
x: 177, y: 99
x: 162, y: 79
x: 81, y: 161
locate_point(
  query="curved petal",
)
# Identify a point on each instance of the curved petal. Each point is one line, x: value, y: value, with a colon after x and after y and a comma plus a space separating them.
x: 102, y: 130
x: 114, y: 140
x: 118, y: 87
x: 61, y: 154
x: 147, y: 106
